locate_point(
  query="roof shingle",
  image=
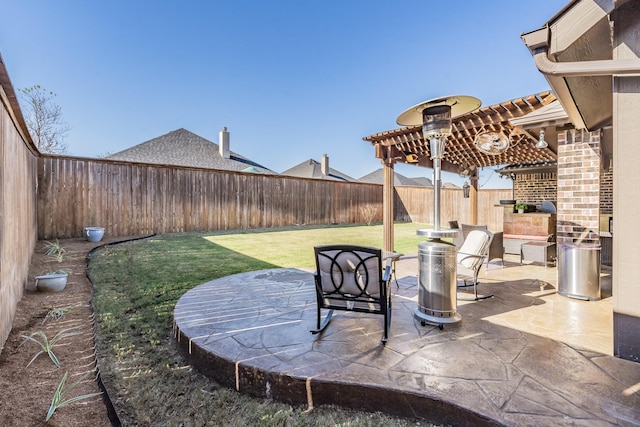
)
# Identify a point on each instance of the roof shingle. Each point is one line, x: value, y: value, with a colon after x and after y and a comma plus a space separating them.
x: 183, y: 148
x: 313, y: 169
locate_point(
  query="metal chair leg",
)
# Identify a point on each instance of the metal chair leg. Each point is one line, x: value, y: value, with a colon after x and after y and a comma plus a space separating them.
x: 324, y: 323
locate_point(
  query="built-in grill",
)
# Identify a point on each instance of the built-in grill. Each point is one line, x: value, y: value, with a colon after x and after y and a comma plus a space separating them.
x: 548, y: 206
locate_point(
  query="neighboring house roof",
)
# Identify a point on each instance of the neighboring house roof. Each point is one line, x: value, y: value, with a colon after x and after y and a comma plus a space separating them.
x: 183, y: 148
x: 423, y: 181
x: 449, y: 185
x: 399, y: 180
x: 313, y: 169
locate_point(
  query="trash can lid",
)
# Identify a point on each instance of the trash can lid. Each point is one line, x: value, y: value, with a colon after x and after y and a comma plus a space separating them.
x: 582, y: 246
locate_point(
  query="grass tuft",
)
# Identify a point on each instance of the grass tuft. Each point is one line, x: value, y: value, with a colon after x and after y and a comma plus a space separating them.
x: 60, y: 396
x: 46, y: 345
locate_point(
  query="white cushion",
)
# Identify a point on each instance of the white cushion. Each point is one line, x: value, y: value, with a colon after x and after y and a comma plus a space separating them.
x: 474, y: 246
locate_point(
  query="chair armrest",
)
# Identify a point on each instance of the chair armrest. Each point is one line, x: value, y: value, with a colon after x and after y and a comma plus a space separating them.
x: 498, y: 237
x: 470, y: 256
x: 496, y: 250
x: 476, y: 264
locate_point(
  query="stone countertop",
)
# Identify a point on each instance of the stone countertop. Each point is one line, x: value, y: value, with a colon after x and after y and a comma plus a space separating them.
x: 530, y: 213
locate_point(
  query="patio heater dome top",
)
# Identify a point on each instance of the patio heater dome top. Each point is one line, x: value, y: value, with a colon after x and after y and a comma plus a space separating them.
x: 460, y: 105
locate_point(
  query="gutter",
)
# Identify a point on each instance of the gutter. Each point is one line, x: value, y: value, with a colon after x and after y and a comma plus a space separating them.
x: 538, y: 43
x: 609, y: 67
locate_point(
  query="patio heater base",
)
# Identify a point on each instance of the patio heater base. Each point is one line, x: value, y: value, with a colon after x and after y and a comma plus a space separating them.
x: 437, y: 290
x: 439, y: 321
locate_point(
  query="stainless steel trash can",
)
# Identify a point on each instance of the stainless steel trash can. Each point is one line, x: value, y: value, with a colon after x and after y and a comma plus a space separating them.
x: 437, y: 297
x: 579, y: 270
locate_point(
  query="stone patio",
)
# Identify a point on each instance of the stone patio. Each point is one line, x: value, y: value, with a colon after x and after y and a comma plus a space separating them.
x: 527, y: 356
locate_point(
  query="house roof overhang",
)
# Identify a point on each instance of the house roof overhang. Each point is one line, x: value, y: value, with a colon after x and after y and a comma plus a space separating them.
x: 574, y: 51
x: 407, y: 145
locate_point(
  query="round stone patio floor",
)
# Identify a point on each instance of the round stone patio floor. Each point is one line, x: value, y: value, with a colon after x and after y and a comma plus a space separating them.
x: 250, y: 332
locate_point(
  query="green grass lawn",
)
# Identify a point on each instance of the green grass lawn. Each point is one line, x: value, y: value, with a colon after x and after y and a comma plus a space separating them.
x: 136, y: 286
x: 294, y: 247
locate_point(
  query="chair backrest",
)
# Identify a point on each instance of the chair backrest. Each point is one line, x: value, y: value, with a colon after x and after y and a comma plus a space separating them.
x: 458, y: 238
x: 350, y: 271
x: 475, y: 247
x: 466, y: 228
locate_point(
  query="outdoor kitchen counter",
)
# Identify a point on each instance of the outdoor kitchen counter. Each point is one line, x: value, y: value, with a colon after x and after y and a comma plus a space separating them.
x: 521, y: 228
x: 529, y: 224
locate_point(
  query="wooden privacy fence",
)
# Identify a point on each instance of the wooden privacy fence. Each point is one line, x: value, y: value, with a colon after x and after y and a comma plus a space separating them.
x: 137, y: 199
x: 17, y: 204
x: 131, y: 199
x: 416, y: 205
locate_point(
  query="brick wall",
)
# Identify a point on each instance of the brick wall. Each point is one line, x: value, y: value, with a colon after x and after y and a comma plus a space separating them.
x: 533, y: 188
x: 606, y: 191
x: 579, y: 156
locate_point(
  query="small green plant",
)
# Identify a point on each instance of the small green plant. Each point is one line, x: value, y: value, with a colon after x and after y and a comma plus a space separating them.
x: 59, y: 396
x: 47, y: 345
x: 55, y: 249
x: 521, y: 205
x: 56, y: 314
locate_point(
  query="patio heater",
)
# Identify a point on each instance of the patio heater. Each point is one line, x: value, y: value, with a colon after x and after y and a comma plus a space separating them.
x: 437, y: 300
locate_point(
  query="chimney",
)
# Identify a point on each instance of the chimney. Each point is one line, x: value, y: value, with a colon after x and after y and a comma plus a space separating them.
x: 324, y: 165
x: 223, y: 143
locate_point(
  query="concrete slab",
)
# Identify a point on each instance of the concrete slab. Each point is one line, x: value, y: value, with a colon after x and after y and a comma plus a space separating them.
x: 527, y: 356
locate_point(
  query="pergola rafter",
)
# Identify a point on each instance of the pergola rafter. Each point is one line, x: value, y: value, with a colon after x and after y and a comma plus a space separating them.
x: 461, y: 150
x: 407, y: 145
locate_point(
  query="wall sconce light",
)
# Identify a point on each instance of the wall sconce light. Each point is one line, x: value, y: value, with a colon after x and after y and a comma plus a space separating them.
x: 465, y: 190
x: 541, y: 142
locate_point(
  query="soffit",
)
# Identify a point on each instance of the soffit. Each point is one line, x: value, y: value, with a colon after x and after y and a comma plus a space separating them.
x: 581, y: 32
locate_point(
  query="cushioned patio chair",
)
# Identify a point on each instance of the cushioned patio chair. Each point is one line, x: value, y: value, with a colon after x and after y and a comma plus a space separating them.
x: 496, y: 249
x: 352, y: 278
x: 470, y: 258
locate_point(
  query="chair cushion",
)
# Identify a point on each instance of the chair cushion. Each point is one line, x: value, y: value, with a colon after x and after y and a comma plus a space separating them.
x: 474, y: 246
x: 353, y: 273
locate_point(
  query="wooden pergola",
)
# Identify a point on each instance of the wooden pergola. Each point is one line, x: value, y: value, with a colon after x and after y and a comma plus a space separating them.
x: 407, y: 145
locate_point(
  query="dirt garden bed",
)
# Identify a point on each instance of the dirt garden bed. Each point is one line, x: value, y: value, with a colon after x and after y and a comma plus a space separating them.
x: 27, y: 391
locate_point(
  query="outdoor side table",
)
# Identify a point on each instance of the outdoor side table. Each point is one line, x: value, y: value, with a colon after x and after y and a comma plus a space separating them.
x: 538, y: 252
x: 393, y: 256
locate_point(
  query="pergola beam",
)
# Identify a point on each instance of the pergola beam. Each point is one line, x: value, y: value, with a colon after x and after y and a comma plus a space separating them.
x: 407, y: 145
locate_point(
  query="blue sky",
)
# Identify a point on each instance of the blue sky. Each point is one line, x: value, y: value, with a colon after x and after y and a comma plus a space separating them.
x: 290, y: 79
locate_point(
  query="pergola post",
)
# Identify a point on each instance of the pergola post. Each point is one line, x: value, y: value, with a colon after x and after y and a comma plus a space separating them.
x: 387, y: 204
x: 473, y: 199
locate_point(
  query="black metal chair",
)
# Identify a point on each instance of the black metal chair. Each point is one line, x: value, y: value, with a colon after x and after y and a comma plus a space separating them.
x: 352, y: 278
